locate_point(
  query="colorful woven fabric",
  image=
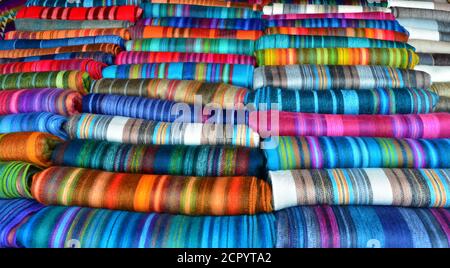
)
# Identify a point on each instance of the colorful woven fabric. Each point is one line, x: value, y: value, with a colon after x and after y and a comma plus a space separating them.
x: 97, y: 56
x: 280, y: 8
x: 54, y: 34
x: 203, y: 23
x: 434, y: 59
x: 15, y: 179
x: 32, y: 147
x: 382, y: 3
x: 81, y: 3
x: 138, y: 57
x: 93, y: 68
x: 138, y: 131
x: 194, y: 11
x: 64, y: 42
x: 223, y: 95
x: 211, y: 3
x: 368, y: 186
x: 235, y: 74
x: 441, y: 89
x: 353, y: 16
x: 292, y: 41
x: 58, y: 101
x: 160, y: 159
x: 93, y: 228
x: 418, y: 13
x: 20, y: 53
x: 319, y: 77
x: 435, y: 125
x: 75, y: 80
x: 42, y: 122
x: 192, y: 45
x: 394, y: 57
x: 139, y: 32
x: 44, y: 25
x: 14, y: 213
x: 355, y: 152
x: 152, y: 193
x: 362, y: 227
x: 128, y: 13
x: 378, y: 101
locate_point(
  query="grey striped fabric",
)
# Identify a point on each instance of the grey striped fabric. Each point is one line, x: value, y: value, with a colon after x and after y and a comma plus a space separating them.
x: 437, y: 59
x: 416, y: 13
x: 428, y: 46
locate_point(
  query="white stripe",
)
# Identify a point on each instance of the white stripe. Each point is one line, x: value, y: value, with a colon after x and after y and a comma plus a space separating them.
x: 381, y: 188
x: 283, y: 189
x: 115, y: 128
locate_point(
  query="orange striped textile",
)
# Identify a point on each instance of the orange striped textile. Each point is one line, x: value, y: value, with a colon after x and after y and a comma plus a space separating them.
x: 58, y: 34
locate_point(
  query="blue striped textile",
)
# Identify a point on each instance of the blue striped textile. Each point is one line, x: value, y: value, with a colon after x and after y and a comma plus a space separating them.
x: 97, y: 56
x: 225, y: 24
x: 42, y: 122
x: 63, y: 42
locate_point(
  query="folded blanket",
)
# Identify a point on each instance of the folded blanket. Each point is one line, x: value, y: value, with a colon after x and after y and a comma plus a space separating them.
x: 362, y: 227
x: 280, y: 8
x: 437, y: 73
x: 62, y: 42
x: 319, y: 77
x: 20, y: 53
x: 43, y: 25
x: 152, y: 193
x: 441, y: 89
x: 274, y: 123
x: 355, y: 152
x: 138, y: 131
x: 93, y: 68
x: 235, y: 74
x: 128, y: 13
x: 353, y: 16
x: 193, y: 45
x: 292, y: 41
x: 361, y: 186
x: 81, y: 3
x: 74, y: 80
x: 428, y: 46
x: 53, y: 34
x: 393, y: 57
x: 103, y: 57
x: 15, y: 179
x: 86, y: 227
x: 32, y: 147
x: 138, y: 57
x: 204, y: 23
x: 435, y: 5
x: 427, y: 24
x: 27, y: 122
x: 419, y: 13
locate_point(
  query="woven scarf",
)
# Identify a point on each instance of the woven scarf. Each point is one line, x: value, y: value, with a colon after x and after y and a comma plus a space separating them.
x: 138, y: 131
x: 434, y: 59
x: 367, y: 186
x: 280, y: 8
x: 28, y: 122
x: 428, y: 46
x: 424, y: 4
x: 97, y: 56
x: 441, y: 89
x: 426, y: 24
x: 15, y: 179
x: 355, y: 152
x: 44, y: 25
x: 377, y: 101
x: 20, y: 53
x: 352, y: 16
x: 81, y: 3
x: 324, y: 77
x: 62, y: 42
x: 235, y: 74
x: 32, y: 147
x: 417, y: 13
x: 212, y: 3
x: 437, y: 73
x: 204, y: 23
x: 382, y: 3
x: 362, y: 227
x: 53, y: 34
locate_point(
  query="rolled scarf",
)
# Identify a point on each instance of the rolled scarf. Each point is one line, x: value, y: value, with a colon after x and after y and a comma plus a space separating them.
x: 441, y: 89
x: 144, y: 230
x: 138, y: 57
x: 424, y: 4
x: 93, y: 68
x: 161, y: 159
x: 204, y: 23
x: 428, y: 46
x: 127, y: 13
x: 21, y: 53
x: 361, y: 186
x: 192, y: 45
x: 377, y: 101
x: 32, y: 147
x: 212, y: 3
x: 152, y: 193
x: 426, y: 24
x: 353, y: 16
x: 434, y: 59
x: 194, y: 11
x: 338, y: 23
x: 105, y: 58
x: 292, y: 41
x: 362, y: 227
x: 235, y: 74
x: 280, y: 8
x: 75, y: 80
x: 13, y: 214
x: 54, y: 34
x: 64, y: 42
x: 443, y: 105
x: 223, y: 95
x: 381, y: 3
x: 44, y: 25
x: 42, y: 122
x: 15, y: 179
x: 424, y: 34
x: 393, y: 57
x: 274, y: 123
x: 138, y: 131
x: 356, y: 152
x: 323, y: 77
x: 81, y: 3
x: 437, y: 73
x: 418, y: 13
x: 378, y: 34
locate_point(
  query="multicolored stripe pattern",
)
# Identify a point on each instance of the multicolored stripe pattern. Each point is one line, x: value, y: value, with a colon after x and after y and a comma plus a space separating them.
x: 204, y: 23
x: 31, y: 52
x: 15, y: 179
x: 122, y: 33
x: 29, y: 122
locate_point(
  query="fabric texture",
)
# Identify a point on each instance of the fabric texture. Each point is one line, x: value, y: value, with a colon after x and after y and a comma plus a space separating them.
x: 434, y: 59
x: 427, y: 24
x: 20, y: 53
x: 138, y: 57
x: 441, y: 89
x: 53, y: 34
x: 418, y: 13
x: 286, y: 8
x: 437, y: 73
x: 81, y: 3
x: 425, y: 34
x: 429, y: 46
x: 44, y: 25
x: 15, y: 179
x: 356, y: 16
x: 443, y: 105
x: 204, y: 23
x: 29, y: 122
x: 62, y: 42
x: 103, y: 57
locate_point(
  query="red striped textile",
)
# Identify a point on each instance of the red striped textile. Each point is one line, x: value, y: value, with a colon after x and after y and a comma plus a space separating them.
x: 57, y: 34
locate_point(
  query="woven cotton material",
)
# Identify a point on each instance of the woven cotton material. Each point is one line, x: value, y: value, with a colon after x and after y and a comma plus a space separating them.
x: 223, y: 95
x: 434, y: 59
x: 280, y: 8
x: 425, y: 34
x: 161, y: 159
x: 417, y: 13
x: 28, y: 122
x: 441, y: 89
x: 434, y: 125
x: 443, y: 105
x: 424, y: 4
x: 235, y: 74
x: 323, y: 77
x: 138, y: 131
x: 152, y: 193
x: 44, y: 25
x: 53, y: 34
x: 15, y: 179
x: 362, y: 227
x: 204, y: 23
x: 427, y: 46
x: 212, y: 3
x: 393, y: 57
x: 382, y: 3
x: 355, y: 152
x: 20, y: 53
x: 355, y: 16
x: 63, y: 42
x: 32, y: 147
x: 378, y: 101
x: 437, y: 73
x: 81, y: 3
x: 138, y: 57
x: 140, y: 230
x: 96, y: 56
x: 427, y: 24
x: 369, y: 186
